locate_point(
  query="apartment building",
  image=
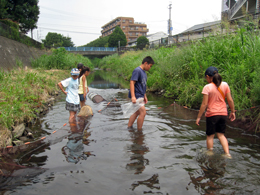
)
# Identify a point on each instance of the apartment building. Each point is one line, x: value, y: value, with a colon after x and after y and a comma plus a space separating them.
x: 131, y: 28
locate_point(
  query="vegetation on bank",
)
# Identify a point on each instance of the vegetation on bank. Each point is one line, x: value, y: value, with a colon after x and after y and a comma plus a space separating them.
x: 180, y: 71
x: 23, y: 92
x: 61, y: 59
x: 10, y: 30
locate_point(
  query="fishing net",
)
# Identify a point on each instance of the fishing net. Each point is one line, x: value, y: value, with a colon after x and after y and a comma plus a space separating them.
x: 130, y: 108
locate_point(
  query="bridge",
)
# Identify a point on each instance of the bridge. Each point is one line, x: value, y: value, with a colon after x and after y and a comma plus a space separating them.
x: 92, y: 51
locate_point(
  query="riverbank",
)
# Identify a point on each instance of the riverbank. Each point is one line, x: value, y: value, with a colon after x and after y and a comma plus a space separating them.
x: 25, y: 93
x: 178, y: 73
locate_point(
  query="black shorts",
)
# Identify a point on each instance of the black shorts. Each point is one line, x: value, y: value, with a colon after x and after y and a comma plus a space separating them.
x: 81, y: 97
x: 216, y: 124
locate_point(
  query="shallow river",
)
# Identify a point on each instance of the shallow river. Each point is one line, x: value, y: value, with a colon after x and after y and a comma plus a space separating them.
x: 167, y: 157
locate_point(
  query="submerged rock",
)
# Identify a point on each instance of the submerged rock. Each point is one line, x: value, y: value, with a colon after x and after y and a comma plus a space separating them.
x: 6, y: 138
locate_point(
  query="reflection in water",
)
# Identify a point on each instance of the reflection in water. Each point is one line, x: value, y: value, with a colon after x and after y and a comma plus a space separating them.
x: 74, y: 149
x: 212, y: 168
x: 138, y: 149
x: 138, y: 161
x: 99, y: 83
x: 150, y: 183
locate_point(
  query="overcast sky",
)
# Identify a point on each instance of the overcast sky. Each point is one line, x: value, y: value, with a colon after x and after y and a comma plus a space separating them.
x: 82, y: 19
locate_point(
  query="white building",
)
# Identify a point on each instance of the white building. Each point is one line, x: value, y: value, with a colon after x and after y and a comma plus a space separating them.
x: 153, y: 38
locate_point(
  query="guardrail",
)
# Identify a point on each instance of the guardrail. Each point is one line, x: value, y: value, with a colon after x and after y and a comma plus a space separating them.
x: 91, y: 48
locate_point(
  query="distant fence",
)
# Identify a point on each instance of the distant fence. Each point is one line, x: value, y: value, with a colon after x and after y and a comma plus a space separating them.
x: 12, y: 33
x: 193, y: 35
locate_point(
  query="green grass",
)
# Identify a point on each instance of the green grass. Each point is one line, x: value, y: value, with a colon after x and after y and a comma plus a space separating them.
x: 22, y: 92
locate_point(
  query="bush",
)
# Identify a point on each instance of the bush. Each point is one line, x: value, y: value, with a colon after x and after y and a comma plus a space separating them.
x: 61, y: 59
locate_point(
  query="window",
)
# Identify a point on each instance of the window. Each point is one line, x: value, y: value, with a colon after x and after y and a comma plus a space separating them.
x: 130, y: 21
x: 136, y: 33
x: 123, y: 21
x: 136, y: 28
x: 123, y: 27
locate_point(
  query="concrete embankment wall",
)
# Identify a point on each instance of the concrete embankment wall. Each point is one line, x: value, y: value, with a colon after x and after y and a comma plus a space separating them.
x: 11, y: 51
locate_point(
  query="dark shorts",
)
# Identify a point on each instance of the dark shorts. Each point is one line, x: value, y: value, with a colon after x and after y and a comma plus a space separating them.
x: 81, y: 97
x: 216, y: 124
x: 72, y: 107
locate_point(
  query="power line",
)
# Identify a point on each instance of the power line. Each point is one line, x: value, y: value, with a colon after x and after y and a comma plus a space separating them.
x: 70, y: 14
x: 69, y: 31
x: 68, y: 26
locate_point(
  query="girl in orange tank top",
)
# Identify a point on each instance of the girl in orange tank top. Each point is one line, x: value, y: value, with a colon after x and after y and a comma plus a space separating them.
x: 214, y: 95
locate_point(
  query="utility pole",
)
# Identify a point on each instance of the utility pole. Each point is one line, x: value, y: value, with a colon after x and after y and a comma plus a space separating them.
x: 169, y: 23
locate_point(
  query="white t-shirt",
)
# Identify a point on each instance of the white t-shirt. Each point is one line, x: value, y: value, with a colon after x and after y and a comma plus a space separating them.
x: 72, y: 87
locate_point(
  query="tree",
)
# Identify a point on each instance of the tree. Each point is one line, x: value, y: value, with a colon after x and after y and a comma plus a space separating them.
x: 99, y: 42
x: 142, y: 41
x: 25, y: 12
x: 57, y: 40
x: 67, y: 42
x: 117, y: 35
x: 3, y: 12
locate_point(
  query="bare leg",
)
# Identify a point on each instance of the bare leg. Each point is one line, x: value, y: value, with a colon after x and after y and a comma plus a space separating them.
x: 82, y: 103
x: 72, y: 114
x: 140, y: 119
x: 132, y: 118
x: 224, y: 142
x: 210, y: 141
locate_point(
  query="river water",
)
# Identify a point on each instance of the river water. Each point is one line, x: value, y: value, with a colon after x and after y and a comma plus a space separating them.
x: 167, y: 157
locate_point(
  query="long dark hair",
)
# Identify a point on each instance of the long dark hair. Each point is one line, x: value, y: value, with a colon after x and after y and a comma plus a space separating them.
x: 84, y: 69
x: 217, y: 79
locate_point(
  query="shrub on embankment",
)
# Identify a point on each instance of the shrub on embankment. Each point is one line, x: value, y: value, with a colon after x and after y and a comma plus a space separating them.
x: 22, y: 92
x: 180, y: 71
x: 61, y: 59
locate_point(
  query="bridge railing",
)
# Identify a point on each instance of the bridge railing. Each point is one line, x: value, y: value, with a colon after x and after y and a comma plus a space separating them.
x: 91, y: 48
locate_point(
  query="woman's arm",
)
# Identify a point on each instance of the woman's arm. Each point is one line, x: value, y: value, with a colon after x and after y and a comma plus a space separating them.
x: 232, y: 115
x: 203, y: 107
